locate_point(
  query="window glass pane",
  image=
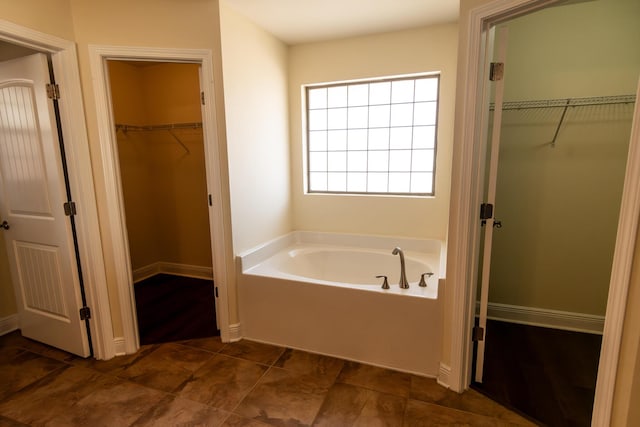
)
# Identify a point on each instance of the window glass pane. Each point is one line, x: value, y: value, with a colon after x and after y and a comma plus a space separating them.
x: 424, y: 137
x: 337, y: 181
x: 357, y: 139
x: 337, y: 118
x: 378, y: 139
x: 357, y: 182
x: 401, y: 114
x: 424, y: 113
x: 337, y: 140
x: 377, y: 136
x: 399, y: 160
x: 380, y: 93
x: 317, y: 119
x: 422, y: 161
x: 337, y: 97
x: 318, y: 161
x: 337, y: 161
x: 357, y: 161
x: 402, y: 91
x: 317, y: 141
x: 378, y: 161
x: 421, y: 182
x: 318, y: 181
x: 379, y: 116
x: 358, y: 94
x: 317, y: 98
x: 400, y: 137
x: 399, y: 182
x: 358, y: 117
x: 377, y: 182
x: 426, y: 89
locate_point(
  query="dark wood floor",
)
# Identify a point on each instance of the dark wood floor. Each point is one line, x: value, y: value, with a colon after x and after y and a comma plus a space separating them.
x: 175, y: 308
x: 546, y: 374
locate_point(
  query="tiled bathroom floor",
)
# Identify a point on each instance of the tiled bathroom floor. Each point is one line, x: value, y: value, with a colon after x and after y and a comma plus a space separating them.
x: 207, y: 383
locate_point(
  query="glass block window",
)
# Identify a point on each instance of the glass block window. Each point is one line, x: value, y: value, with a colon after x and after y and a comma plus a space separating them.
x: 373, y: 137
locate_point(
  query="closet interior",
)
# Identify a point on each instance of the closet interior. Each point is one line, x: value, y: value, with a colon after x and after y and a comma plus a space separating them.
x: 158, y: 121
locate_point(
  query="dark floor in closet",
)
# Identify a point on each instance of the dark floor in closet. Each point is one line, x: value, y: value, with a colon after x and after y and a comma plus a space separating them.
x: 547, y: 374
x: 175, y: 308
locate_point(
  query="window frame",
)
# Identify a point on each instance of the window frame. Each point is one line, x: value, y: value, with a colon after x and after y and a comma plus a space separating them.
x: 307, y: 130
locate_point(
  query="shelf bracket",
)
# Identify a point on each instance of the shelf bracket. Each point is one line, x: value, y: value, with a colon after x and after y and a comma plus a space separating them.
x: 555, y: 135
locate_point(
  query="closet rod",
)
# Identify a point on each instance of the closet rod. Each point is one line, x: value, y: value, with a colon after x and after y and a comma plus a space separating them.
x: 168, y: 127
x: 567, y: 102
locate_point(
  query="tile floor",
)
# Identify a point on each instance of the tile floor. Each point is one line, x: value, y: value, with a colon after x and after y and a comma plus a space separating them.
x: 207, y: 383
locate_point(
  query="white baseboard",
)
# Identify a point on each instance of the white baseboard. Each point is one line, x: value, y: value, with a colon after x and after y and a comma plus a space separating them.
x: 235, y: 333
x: 186, y: 270
x: 444, y: 373
x: 119, y: 346
x: 9, y: 324
x: 556, y: 319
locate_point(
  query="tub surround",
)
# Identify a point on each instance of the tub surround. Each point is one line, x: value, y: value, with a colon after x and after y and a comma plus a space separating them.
x: 358, y: 320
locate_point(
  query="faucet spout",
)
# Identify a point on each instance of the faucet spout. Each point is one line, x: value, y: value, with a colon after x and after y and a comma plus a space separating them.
x: 404, y: 284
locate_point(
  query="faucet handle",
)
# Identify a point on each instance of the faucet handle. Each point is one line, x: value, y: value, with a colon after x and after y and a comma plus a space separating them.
x: 385, y: 282
x: 423, y: 282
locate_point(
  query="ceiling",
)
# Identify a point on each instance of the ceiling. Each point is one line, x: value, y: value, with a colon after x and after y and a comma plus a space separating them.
x: 303, y: 21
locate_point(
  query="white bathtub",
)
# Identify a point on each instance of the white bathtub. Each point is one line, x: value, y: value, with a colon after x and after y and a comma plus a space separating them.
x: 318, y: 292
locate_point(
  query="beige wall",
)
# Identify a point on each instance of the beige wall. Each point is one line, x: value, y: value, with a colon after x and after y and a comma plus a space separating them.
x: 255, y: 87
x: 403, y: 52
x: 48, y: 16
x: 164, y: 186
x: 560, y: 206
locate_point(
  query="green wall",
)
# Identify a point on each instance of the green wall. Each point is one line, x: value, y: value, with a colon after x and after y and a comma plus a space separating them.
x: 559, y: 206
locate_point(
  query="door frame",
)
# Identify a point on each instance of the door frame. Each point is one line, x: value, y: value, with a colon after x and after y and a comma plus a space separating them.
x: 72, y: 121
x: 98, y: 56
x: 466, y: 196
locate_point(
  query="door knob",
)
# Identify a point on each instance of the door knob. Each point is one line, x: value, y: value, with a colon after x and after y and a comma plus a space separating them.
x: 5, y: 225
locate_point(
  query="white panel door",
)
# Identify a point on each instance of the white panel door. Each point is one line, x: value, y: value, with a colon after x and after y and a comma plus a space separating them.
x: 37, y: 233
x: 500, y: 57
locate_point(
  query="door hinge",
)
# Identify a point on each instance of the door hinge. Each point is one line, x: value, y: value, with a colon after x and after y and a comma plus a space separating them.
x: 85, y: 313
x: 202, y: 97
x: 210, y: 200
x: 216, y: 288
x: 69, y: 208
x: 486, y: 211
x: 478, y: 333
x: 53, y: 91
x: 496, y: 71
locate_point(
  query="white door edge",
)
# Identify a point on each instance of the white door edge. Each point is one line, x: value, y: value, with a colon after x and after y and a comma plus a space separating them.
x: 463, y: 235
x: 215, y: 157
x: 65, y: 65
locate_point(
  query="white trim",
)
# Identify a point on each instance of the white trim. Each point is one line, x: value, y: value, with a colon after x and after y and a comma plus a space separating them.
x: 465, y: 197
x: 620, y: 277
x: 9, y: 324
x: 118, y: 344
x: 235, y: 332
x: 444, y: 373
x: 186, y: 270
x: 114, y: 200
x: 65, y: 65
x: 556, y: 319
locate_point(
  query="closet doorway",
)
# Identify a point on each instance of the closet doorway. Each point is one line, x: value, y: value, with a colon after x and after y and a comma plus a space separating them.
x: 161, y: 155
x: 563, y: 139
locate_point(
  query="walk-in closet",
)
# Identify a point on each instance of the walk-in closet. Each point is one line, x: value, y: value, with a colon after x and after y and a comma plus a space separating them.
x: 570, y: 78
x: 158, y: 121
